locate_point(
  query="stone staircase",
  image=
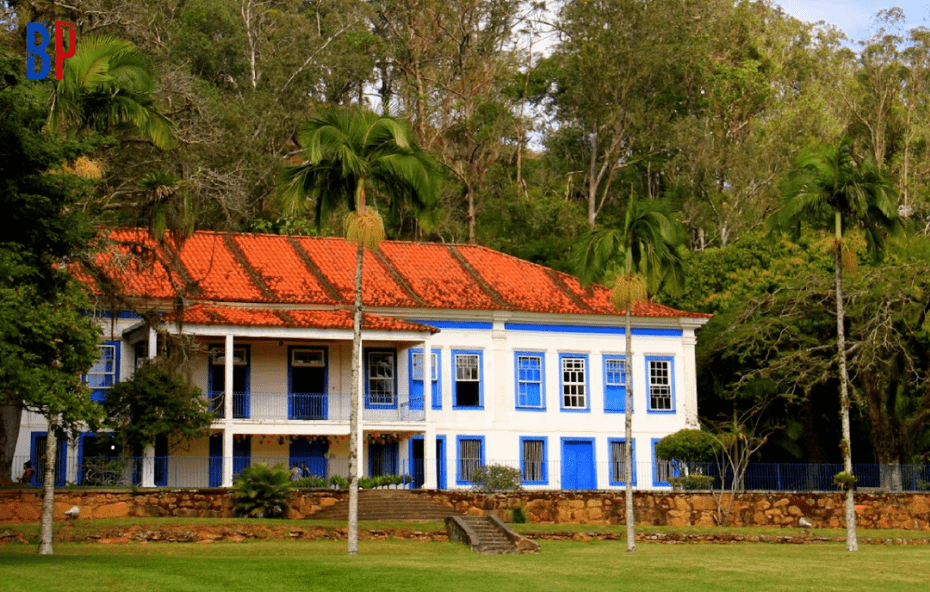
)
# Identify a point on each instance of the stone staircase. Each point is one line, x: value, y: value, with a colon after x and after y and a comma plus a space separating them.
x: 488, y: 535
x: 390, y: 505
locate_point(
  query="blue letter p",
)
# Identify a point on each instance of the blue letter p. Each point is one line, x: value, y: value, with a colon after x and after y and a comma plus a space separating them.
x: 34, y: 51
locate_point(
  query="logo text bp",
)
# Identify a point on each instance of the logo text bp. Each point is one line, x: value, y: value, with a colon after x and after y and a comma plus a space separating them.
x: 37, y: 51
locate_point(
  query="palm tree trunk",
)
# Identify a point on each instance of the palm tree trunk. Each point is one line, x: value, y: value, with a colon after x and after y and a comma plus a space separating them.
x: 628, y: 435
x: 852, y: 541
x: 48, y: 497
x: 354, y: 407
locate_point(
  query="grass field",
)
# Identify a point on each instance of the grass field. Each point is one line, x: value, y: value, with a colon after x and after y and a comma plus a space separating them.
x: 268, y: 566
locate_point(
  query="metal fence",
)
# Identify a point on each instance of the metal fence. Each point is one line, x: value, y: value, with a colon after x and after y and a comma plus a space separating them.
x: 314, y: 407
x: 206, y: 471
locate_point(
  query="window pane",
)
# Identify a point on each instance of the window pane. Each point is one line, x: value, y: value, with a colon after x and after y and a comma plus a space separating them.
x: 660, y: 386
x: 618, y: 461
x: 467, y: 380
x: 466, y: 367
x: 533, y: 460
x: 417, y: 370
x: 469, y: 458
x: 573, y: 382
x: 529, y: 381
x: 615, y: 371
x: 381, y: 378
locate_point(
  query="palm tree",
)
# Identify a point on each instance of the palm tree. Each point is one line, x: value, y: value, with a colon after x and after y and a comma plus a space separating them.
x: 827, y: 188
x: 347, y: 151
x: 645, y: 250
x: 107, y: 85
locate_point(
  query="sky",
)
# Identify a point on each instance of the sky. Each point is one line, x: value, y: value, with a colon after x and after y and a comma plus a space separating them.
x: 856, y: 17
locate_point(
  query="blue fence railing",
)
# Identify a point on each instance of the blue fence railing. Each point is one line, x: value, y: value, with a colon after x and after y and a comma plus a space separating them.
x: 206, y: 471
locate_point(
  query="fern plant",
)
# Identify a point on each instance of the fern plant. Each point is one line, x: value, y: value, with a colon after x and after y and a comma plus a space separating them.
x: 261, y: 491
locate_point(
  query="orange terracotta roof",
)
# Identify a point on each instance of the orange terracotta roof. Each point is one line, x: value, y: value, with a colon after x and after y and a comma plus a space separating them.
x: 260, y: 269
x: 201, y: 314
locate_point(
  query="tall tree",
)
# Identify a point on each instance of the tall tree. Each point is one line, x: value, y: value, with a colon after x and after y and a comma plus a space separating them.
x: 645, y: 250
x: 828, y: 187
x: 446, y: 66
x: 346, y: 151
x: 45, y: 342
x: 105, y: 86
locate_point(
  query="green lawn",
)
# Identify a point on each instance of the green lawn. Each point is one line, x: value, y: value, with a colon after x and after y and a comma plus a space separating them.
x: 268, y: 566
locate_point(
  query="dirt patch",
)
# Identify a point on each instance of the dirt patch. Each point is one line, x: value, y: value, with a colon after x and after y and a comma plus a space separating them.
x: 181, y: 533
x: 287, y: 530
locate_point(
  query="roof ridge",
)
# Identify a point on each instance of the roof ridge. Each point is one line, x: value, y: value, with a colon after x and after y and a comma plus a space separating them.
x: 554, y: 276
x: 453, y: 249
x: 250, y: 271
x: 400, y: 279
x: 308, y: 262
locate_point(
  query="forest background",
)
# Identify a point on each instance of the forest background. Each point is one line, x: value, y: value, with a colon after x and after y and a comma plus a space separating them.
x: 547, y: 120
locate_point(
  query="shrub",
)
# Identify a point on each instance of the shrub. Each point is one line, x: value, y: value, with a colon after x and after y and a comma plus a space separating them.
x: 519, y: 515
x: 261, y: 491
x: 311, y: 482
x: 339, y: 481
x: 496, y: 478
x: 692, y: 482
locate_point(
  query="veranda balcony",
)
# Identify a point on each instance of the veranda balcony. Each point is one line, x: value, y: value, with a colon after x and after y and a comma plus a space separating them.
x: 329, y: 407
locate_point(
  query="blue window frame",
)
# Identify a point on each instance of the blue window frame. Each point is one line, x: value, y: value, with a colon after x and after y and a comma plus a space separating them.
x: 573, y: 382
x: 105, y: 371
x: 380, y: 379
x: 614, y: 384
x: 468, y: 379
x: 617, y: 450
x: 660, y: 378
x: 216, y: 380
x: 416, y: 378
x: 530, y: 376
x: 534, y: 460
x: 469, y: 455
x: 662, y: 470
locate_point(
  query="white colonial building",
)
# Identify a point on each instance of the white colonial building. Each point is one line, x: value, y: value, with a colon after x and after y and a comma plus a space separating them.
x: 526, y: 366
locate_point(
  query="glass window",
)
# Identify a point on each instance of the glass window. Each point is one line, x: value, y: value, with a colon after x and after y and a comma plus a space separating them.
x: 469, y: 458
x: 573, y: 383
x: 529, y: 381
x: 380, y: 378
x: 660, y: 385
x: 467, y: 380
x: 534, y: 457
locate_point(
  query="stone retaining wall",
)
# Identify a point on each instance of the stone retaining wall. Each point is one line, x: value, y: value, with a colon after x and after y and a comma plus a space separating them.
x: 909, y: 511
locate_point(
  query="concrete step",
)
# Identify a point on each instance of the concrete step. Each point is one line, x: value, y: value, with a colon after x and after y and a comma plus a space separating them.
x: 389, y: 505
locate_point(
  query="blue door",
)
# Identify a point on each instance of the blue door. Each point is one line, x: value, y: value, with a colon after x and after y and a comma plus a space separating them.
x: 441, y: 462
x: 216, y: 460
x: 310, y: 457
x: 416, y: 461
x: 382, y: 459
x: 578, y: 464
x: 242, y: 454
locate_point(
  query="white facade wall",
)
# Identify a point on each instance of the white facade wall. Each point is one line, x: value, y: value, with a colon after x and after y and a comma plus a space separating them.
x: 498, y: 422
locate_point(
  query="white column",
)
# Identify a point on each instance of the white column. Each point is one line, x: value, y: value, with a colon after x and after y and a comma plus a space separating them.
x: 429, y: 436
x: 148, y: 455
x: 689, y: 377
x: 227, y: 414
x: 360, y: 433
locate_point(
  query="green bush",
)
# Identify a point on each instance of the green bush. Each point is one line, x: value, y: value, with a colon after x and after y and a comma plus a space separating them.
x: 496, y: 478
x: 339, y: 481
x: 692, y: 482
x: 261, y: 491
x: 519, y: 515
x: 311, y: 482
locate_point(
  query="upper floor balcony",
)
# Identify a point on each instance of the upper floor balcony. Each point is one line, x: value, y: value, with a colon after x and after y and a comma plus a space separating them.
x: 316, y: 407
